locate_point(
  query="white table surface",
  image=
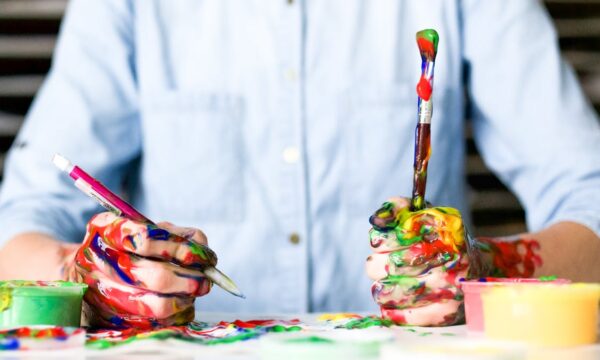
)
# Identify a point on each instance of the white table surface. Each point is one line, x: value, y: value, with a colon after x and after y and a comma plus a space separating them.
x: 172, y: 349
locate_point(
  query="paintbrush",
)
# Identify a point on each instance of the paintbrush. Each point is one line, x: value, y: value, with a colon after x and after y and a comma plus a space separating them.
x: 427, y: 40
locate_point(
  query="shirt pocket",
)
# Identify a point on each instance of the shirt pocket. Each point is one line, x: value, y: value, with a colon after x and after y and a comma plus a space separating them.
x: 192, y: 163
x: 379, y: 130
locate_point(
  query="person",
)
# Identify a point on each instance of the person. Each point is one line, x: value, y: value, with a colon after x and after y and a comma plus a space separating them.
x: 278, y: 128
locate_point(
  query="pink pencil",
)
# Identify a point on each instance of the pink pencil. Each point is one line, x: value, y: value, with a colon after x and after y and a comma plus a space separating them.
x: 112, y: 202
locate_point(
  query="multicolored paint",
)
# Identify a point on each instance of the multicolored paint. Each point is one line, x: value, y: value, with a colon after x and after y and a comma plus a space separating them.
x: 199, y: 333
x: 38, y: 338
x: 195, y: 332
x: 419, y: 257
x: 127, y: 287
x: 427, y: 40
x: 513, y: 257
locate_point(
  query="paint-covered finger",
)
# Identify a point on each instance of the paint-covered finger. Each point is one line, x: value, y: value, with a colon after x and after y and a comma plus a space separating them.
x: 188, y: 233
x: 383, y: 241
x: 108, y: 296
x: 435, y: 314
x: 110, y: 319
x: 386, y: 217
x: 402, y: 292
x: 166, y: 278
x: 129, y: 269
x: 148, y: 240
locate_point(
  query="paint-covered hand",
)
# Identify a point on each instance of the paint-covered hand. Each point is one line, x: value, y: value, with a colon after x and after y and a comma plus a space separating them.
x: 140, y: 275
x: 419, y: 258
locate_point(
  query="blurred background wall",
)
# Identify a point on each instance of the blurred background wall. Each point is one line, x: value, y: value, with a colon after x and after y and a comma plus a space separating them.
x: 27, y: 36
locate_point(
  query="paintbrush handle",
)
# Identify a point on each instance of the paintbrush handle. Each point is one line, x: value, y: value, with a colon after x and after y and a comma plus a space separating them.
x: 427, y: 40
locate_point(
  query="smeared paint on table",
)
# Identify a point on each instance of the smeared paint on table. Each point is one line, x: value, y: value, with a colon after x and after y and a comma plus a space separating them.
x: 41, y: 338
x: 329, y: 326
x: 196, y: 332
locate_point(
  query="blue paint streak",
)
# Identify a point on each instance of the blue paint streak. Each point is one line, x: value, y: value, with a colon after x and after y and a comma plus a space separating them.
x: 131, y: 240
x: 189, y: 276
x: 116, y: 320
x: 111, y: 257
x: 158, y: 233
x: 9, y: 344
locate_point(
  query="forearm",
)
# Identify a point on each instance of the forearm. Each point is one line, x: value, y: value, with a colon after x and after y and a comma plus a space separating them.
x: 34, y: 256
x: 566, y: 249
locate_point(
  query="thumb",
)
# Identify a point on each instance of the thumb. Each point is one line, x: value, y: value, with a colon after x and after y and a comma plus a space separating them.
x: 386, y: 217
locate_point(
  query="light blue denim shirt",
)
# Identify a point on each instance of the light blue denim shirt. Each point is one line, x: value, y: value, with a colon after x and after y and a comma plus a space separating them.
x: 277, y: 127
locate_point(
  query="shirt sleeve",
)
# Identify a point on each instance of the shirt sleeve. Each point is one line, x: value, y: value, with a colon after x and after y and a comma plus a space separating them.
x: 86, y: 110
x: 531, y: 120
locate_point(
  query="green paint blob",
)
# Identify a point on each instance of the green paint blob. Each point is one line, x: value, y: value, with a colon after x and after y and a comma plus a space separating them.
x: 401, y: 280
x: 367, y: 322
x: 198, y: 250
x: 281, y: 328
x: 311, y: 340
x: 426, y: 334
x: 548, y: 278
x: 397, y: 258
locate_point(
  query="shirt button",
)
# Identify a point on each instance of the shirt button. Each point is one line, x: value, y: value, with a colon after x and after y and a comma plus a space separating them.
x: 295, y: 238
x: 291, y: 155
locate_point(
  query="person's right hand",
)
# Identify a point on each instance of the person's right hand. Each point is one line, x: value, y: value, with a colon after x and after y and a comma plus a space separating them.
x: 140, y: 275
x: 418, y: 260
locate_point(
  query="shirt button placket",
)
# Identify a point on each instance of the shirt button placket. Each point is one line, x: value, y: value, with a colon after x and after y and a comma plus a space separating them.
x: 293, y: 287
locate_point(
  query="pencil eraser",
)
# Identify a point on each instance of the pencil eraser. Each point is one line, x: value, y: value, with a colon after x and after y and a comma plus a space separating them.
x: 61, y: 162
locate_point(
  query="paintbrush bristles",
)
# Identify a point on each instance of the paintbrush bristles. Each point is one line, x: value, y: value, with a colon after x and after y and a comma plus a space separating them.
x: 427, y: 40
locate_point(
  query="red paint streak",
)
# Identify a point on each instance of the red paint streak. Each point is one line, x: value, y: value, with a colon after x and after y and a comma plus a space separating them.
x: 452, y: 274
x: 515, y: 259
x: 438, y: 296
x: 245, y: 325
x: 430, y: 250
x: 426, y: 48
x: 251, y: 324
x: 397, y: 316
x: 424, y: 88
x: 23, y: 332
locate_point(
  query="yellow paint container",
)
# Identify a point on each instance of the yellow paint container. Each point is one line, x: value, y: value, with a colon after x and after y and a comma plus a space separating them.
x: 543, y: 314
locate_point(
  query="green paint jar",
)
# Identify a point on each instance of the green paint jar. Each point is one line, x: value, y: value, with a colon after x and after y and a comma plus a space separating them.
x: 40, y: 303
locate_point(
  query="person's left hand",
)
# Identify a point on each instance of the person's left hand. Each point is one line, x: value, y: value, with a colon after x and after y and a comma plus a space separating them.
x: 140, y: 275
x: 418, y: 258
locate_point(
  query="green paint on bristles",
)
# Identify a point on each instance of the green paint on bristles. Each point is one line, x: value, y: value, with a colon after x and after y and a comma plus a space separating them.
x: 548, y: 278
x: 431, y: 36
